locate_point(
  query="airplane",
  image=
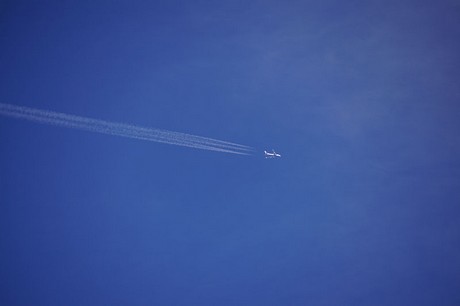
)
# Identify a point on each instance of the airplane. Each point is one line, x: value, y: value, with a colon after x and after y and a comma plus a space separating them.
x: 271, y: 154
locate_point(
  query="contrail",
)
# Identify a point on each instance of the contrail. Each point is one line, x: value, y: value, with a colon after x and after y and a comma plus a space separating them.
x: 122, y: 129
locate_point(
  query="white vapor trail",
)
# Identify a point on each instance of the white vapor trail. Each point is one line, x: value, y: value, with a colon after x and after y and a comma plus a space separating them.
x: 122, y: 129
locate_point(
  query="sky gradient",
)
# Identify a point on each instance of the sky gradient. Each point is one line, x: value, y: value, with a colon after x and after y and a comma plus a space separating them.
x: 361, y: 98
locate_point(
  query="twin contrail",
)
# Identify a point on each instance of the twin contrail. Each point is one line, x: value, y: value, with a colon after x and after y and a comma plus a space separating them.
x: 122, y: 129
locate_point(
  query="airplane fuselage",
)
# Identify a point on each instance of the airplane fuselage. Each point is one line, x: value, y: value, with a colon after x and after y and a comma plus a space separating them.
x: 271, y: 154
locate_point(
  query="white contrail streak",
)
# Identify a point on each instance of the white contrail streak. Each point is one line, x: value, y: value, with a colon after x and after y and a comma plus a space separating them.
x: 122, y: 129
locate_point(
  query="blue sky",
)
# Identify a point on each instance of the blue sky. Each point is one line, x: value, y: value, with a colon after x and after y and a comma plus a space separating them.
x: 360, y: 98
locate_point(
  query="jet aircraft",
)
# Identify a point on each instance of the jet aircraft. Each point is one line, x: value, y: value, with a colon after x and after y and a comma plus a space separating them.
x: 272, y: 154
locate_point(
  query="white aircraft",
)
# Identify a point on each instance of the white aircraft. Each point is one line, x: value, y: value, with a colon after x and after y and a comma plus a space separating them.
x: 271, y: 154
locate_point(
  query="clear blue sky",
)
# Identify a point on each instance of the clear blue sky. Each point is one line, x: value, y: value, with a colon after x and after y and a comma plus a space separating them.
x: 360, y: 97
